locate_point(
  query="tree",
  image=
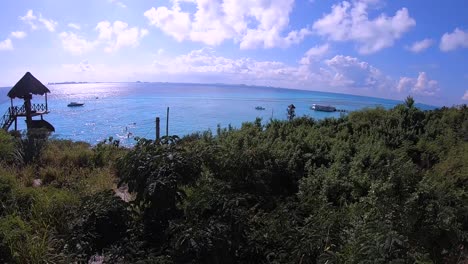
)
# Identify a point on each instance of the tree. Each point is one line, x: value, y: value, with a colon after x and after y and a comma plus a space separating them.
x: 409, y: 101
x: 291, y: 112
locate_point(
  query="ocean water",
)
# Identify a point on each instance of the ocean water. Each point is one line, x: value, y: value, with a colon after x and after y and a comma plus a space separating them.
x: 127, y: 110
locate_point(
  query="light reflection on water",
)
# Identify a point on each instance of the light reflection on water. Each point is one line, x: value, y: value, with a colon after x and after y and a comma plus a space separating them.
x: 126, y: 110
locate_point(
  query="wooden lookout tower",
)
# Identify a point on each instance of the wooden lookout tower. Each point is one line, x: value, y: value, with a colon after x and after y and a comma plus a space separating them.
x: 24, y: 89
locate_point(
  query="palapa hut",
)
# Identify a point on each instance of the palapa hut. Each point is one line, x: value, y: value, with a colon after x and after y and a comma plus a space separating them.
x: 24, y: 89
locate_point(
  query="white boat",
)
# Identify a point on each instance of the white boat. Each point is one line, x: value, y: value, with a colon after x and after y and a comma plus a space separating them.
x: 323, y: 108
x: 72, y: 104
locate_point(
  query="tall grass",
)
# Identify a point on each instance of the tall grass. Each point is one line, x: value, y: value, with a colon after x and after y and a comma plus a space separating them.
x: 34, y: 220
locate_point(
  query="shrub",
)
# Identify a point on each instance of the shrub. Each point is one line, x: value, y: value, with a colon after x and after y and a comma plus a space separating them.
x: 98, y: 222
x: 6, y: 146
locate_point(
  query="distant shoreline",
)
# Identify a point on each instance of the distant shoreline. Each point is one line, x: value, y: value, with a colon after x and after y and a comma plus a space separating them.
x: 396, y: 101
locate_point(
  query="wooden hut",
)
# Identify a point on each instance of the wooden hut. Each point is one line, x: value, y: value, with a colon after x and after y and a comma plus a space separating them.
x: 24, y: 89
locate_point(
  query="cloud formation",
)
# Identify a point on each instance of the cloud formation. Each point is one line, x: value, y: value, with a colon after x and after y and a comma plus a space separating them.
x: 118, y: 35
x: 35, y: 21
x: 251, y: 23
x: 452, y: 41
x: 18, y: 34
x: 349, y: 21
x: 29, y: 19
x: 74, y: 26
x: 118, y: 3
x: 314, y: 54
x: 350, y: 72
x: 6, y: 45
x: 420, y: 46
x: 48, y: 23
x: 76, y: 44
x: 465, y: 96
x: 114, y: 36
x: 421, y: 85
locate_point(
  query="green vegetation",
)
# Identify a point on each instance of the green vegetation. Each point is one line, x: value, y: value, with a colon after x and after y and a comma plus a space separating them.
x: 374, y: 186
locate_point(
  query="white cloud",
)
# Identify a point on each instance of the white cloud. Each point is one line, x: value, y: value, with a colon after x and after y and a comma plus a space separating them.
x: 118, y: 35
x: 48, y: 23
x: 118, y: 3
x: 251, y: 23
x: 74, y: 26
x: 350, y: 22
x: 314, y: 53
x: 105, y: 30
x: 171, y: 21
x: 465, y: 96
x: 421, y: 85
x: 6, y: 45
x: 31, y: 20
x: 198, y: 64
x: 76, y: 44
x: 143, y: 32
x: 18, y: 34
x: 113, y: 36
x: 350, y: 72
x: 420, y: 46
x: 455, y: 40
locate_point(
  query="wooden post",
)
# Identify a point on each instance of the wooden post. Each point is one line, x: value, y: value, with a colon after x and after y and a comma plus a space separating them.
x: 167, y: 123
x: 16, y: 123
x: 46, y: 108
x: 27, y: 106
x: 157, y: 128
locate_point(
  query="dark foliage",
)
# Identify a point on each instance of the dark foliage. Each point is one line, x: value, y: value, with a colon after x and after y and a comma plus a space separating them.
x: 374, y: 186
x: 97, y: 223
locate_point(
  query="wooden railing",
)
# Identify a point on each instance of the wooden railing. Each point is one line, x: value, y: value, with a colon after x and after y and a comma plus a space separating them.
x: 21, y: 110
x: 39, y: 107
x: 13, y: 111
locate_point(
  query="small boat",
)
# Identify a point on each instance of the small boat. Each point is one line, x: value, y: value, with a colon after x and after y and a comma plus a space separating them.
x: 260, y: 108
x: 72, y: 104
x: 323, y: 108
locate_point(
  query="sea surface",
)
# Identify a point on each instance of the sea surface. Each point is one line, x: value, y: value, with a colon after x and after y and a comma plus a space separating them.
x: 128, y: 110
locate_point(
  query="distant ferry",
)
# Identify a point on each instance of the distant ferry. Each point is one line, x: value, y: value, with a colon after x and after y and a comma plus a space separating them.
x: 72, y: 104
x: 323, y: 108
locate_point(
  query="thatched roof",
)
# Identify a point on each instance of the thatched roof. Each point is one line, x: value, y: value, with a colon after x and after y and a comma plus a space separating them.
x: 27, y: 85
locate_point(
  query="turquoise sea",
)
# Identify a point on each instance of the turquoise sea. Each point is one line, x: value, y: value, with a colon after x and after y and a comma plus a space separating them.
x: 128, y: 110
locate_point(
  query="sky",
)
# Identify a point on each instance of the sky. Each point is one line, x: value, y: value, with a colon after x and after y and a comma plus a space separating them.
x: 381, y: 48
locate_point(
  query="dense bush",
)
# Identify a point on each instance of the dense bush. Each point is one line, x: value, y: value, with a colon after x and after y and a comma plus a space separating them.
x: 98, y: 222
x: 6, y: 147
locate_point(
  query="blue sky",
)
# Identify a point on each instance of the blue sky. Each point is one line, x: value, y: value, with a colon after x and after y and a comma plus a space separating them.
x: 379, y: 48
